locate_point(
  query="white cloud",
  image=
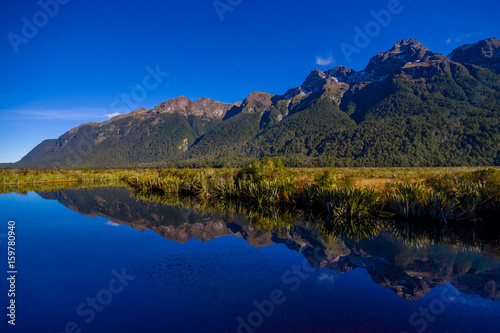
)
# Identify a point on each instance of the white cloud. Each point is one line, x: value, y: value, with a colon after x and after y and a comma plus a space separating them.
x: 77, y: 114
x: 111, y: 115
x: 320, y: 61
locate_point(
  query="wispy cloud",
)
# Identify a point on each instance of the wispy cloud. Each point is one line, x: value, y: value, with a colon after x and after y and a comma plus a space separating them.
x: 82, y: 114
x: 320, y: 61
x: 111, y: 115
x: 462, y: 37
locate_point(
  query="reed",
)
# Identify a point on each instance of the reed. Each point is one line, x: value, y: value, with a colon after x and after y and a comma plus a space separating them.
x: 463, y: 196
x: 349, y: 203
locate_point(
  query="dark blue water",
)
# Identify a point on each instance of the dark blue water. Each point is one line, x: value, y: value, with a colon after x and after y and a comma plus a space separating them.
x: 79, y: 273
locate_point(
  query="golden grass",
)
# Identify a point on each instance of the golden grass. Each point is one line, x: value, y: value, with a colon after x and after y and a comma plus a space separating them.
x: 365, y: 177
x: 376, y: 184
x: 393, y: 173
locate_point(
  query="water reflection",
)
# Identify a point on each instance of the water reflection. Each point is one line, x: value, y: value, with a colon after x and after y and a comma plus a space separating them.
x: 408, y: 258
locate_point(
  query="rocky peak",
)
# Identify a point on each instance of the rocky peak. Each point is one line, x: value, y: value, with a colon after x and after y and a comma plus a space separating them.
x: 403, y: 52
x: 202, y: 107
x: 209, y: 107
x: 314, y: 81
x: 204, y: 101
x: 485, y: 53
x: 341, y: 72
x: 257, y: 100
x: 172, y: 105
x: 140, y: 111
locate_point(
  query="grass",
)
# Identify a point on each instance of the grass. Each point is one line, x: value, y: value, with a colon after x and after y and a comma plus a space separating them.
x: 263, y: 217
x: 415, y: 202
x: 439, y: 195
x: 451, y: 205
x: 348, y: 203
x: 54, y: 186
x: 424, y: 195
x: 44, y: 176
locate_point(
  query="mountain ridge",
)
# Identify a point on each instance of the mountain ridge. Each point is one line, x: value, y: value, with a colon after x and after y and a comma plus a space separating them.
x: 407, y: 81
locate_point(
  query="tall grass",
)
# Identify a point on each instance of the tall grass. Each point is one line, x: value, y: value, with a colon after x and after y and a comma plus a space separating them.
x: 40, y: 176
x: 349, y: 203
x: 414, y: 202
x: 463, y: 196
x: 260, y: 183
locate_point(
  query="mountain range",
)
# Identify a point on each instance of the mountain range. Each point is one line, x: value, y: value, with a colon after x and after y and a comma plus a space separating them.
x: 408, y: 107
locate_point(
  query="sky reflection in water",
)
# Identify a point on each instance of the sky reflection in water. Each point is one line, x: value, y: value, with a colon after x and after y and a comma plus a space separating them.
x: 113, y: 263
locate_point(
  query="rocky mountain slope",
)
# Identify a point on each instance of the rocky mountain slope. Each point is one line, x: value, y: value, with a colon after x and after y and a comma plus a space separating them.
x: 408, y: 107
x: 485, y: 53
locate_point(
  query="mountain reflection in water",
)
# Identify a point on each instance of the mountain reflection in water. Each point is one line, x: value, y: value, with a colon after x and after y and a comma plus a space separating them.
x: 408, y: 258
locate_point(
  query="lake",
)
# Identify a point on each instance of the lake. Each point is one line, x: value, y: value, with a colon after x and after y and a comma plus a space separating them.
x: 102, y: 260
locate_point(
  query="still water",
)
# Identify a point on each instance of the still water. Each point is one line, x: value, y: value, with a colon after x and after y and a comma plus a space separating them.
x: 101, y: 260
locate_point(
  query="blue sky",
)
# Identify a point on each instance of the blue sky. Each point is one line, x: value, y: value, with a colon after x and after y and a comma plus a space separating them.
x: 81, y: 61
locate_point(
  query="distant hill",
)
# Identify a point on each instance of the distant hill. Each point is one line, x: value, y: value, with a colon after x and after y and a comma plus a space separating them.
x: 408, y: 107
x: 7, y: 165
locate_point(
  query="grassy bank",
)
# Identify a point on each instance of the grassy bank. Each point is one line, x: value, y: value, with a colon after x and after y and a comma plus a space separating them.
x: 418, y: 204
x: 359, y: 177
x: 425, y: 195
x: 55, y: 186
x: 47, y: 176
x: 474, y: 236
x: 410, y: 194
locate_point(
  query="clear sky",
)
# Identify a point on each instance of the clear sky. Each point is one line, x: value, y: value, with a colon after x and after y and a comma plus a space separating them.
x: 68, y: 62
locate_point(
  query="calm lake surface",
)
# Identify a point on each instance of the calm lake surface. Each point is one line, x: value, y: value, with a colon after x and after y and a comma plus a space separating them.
x: 101, y: 260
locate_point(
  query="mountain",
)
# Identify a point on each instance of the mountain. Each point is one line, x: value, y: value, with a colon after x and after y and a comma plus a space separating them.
x: 485, y: 53
x: 408, y: 107
x: 140, y: 137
